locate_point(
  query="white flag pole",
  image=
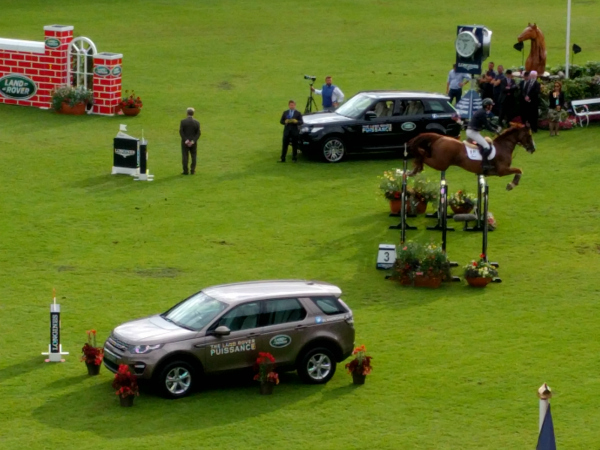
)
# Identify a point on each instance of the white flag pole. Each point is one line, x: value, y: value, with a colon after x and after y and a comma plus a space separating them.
x: 568, y: 37
x: 545, y: 394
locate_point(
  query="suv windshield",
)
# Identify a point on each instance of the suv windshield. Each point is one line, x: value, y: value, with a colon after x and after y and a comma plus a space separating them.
x: 195, y: 313
x: 355, y: 107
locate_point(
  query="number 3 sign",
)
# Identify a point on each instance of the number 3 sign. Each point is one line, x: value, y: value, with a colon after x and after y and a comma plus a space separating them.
x: 386, y: 256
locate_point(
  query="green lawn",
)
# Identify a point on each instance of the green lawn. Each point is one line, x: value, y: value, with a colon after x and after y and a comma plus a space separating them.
x: 455, y: 368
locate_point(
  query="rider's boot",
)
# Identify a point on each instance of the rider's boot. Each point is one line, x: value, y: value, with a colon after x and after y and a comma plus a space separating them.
x: 486, y: 164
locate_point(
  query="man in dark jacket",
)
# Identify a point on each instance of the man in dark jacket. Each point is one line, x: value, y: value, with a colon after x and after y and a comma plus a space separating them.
x: 189, y: 130
x: 508, y: 89
x: 530, y: 98
x: 480, y: 121
x: 291, y: 119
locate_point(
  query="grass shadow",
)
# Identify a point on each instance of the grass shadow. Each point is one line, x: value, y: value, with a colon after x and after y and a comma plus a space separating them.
x: 21, y: 368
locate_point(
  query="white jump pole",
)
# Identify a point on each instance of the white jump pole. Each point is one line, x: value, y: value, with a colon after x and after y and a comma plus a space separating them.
x: 568, y: 37
x: 545, y: 394
x: 55, y: 347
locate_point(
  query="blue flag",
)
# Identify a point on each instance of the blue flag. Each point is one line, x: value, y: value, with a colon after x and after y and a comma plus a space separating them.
x: 546, y: 440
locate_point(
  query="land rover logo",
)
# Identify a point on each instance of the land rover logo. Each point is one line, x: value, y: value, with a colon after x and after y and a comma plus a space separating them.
x: 281, y: 340
x: 125, y: 154
x: 408, y: 126
x: 101, y: 71
x: 17, y: 87
x: 116, y: 71
x: 53, y: 43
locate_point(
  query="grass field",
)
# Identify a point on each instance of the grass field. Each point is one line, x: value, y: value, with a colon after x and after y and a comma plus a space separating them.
x: 455, y: 368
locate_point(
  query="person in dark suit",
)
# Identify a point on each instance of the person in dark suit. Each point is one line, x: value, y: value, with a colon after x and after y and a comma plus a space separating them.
x: 291, y: 119
x: 508, y: 89
x: 189, y: 130
x: 531, y: 98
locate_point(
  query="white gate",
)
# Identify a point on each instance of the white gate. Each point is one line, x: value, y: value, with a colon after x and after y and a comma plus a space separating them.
x: 81, y: 64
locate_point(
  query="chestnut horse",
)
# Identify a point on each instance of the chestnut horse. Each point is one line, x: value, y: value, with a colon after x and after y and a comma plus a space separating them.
x: 537, y: 55
x: 441, y: 152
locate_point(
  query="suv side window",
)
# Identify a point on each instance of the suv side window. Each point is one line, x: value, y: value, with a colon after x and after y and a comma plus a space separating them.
x: 329, y: 305
x: 283, y: 311
x: 434, y: 106
x: 241, y: 317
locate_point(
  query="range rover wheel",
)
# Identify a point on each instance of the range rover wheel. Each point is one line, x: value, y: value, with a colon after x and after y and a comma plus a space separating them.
x: 176, y: 380
x: 334, y: 149
x: 317, y: 366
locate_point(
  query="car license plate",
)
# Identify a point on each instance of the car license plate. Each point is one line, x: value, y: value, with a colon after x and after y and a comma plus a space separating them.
x: 110, y: 357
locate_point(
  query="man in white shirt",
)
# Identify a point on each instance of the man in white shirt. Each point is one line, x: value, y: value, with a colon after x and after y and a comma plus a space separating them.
x: 332, y: 95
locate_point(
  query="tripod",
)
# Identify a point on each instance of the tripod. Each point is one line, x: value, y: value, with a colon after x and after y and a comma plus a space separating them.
x: 310, y: 101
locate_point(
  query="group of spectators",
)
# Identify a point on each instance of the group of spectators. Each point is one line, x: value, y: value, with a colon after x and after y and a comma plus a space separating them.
x: 511, y: 98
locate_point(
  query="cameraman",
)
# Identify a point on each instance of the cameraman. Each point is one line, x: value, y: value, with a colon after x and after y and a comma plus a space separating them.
x: 332, y: 95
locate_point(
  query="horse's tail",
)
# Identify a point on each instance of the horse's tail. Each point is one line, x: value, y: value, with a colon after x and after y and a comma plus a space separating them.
x: 421, y: 145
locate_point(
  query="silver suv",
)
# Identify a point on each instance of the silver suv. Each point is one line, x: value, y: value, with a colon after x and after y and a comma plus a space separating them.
x: 303, y: 324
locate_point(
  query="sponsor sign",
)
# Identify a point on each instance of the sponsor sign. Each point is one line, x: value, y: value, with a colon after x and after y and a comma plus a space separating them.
x: 383, y: 128
x: 116, y: 71
x: 54, y: 332
x: 101, y: 71
x: 408, y: 126
x: 226, y: 348
x: 280, y: 341
x: 53, y: 43
x: 124, y: 153
x: 17, y: 87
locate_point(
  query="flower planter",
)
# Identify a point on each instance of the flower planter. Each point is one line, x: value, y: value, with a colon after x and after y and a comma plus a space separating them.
x: 358, y: 378
x: 126, y: 402
x: 418, y: 208
x: 130, y: 111
x: 266, y: 388
x: 461, y: 209
x: 478, y: 281
x: 93, y: 369
x: 395, y: 206
x: 77, y: 110
x: 429, y: 282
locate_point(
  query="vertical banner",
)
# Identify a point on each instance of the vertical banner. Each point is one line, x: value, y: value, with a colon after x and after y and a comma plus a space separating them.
x: 54, y: 328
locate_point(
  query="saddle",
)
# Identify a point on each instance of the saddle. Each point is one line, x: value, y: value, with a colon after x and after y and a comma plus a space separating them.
x: 473, y: 150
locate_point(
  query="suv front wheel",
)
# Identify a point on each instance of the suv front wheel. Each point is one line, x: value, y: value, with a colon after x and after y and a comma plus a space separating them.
x: 334, y: 149
x: 317, y: 366
x: 176, y: 379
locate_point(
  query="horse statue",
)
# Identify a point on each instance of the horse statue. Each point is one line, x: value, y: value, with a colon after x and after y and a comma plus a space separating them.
x: 440, y: 152
x: 537, y: 55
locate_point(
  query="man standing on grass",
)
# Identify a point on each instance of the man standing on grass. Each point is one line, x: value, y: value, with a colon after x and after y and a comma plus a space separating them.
x: 189, y: 130
x: 291, y: 119
x: 455, y: 83
x: 332, y: 95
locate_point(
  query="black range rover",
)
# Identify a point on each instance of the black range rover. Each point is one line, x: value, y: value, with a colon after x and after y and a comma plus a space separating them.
x: 377, y: 121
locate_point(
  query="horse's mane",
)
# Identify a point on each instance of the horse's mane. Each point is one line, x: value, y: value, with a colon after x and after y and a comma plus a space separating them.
x: 509, y: 132
x: 540, y: 43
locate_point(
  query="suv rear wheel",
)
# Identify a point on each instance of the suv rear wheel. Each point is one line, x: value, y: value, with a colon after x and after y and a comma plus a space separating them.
x: 176, y: 379
x: 317, y: 366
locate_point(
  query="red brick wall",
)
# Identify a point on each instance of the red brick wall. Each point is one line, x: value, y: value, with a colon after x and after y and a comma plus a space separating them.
x: 50, y: 69
x: 107, y: 88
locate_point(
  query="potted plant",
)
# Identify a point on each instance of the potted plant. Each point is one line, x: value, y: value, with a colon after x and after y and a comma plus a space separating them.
x: 265, y: 363
x: 461, y: 202
x: 391, y: 185
x: 407, y: 263
x: 91, y: 354
x: 71, y: 100
x: 480, y: 273
x: 126, y: 385
x: 423, y: 266
x: 420, y: 192
x: 131, y: 104
x: 434, y: 267
x: 360, y: 366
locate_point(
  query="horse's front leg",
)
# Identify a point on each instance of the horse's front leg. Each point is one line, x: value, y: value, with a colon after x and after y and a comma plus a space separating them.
x: 508, y: 171
x: 417, y: 166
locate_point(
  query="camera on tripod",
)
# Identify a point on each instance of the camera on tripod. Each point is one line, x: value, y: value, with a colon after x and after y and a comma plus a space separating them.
x: 308, y: 77
x: 310, y: 101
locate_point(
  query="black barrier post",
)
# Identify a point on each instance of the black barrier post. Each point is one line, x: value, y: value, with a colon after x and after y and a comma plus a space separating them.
x: 484, y: 244
x: 403, y: 226
x: 442, y: 212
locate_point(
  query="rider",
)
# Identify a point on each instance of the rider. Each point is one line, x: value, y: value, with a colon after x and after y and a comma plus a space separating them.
x: 478, y: 122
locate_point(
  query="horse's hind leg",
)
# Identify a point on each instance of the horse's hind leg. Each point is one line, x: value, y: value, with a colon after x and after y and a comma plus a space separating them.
x: 508, y: 171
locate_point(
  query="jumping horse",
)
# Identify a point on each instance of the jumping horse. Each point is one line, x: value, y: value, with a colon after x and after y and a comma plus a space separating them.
x: 537, y: 55
x: 440, y: 152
